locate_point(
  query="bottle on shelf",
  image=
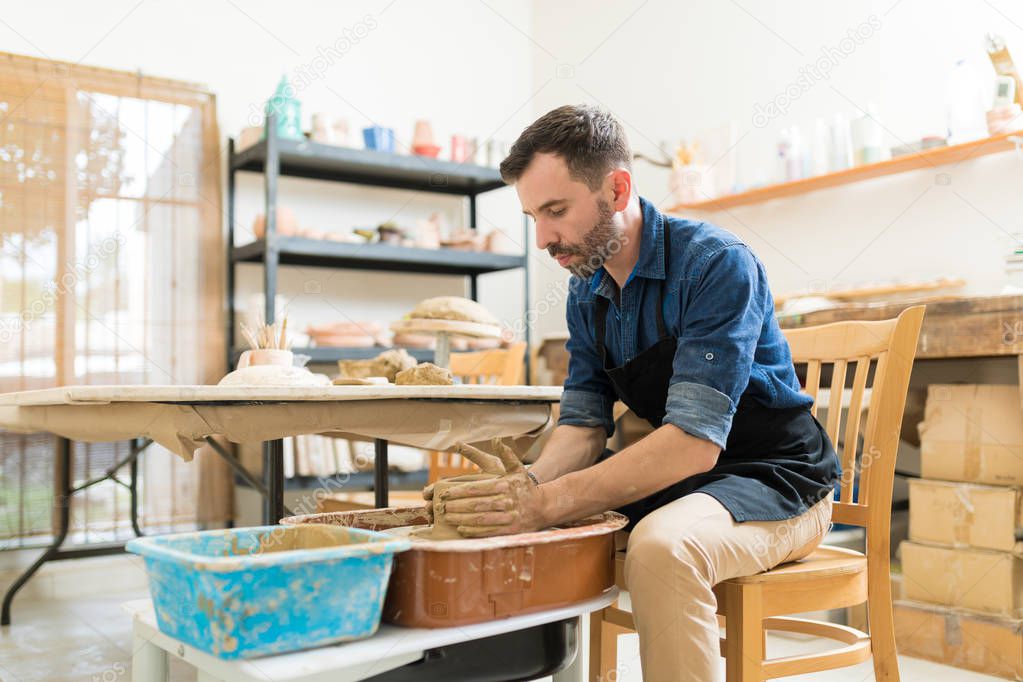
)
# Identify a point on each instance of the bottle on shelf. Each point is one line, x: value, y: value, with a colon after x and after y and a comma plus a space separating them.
x: 867, y: 137
x: 841, y: 156
x: 965, y: 104
x: 287, y: 111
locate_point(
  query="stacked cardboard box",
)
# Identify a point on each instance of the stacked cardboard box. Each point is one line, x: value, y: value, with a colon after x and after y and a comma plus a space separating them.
x: 963, y: 563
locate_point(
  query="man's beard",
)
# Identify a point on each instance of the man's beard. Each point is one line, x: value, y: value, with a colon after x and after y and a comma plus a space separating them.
x: 602, y: 241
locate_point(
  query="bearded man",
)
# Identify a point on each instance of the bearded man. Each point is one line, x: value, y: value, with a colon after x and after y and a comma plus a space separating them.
x: 675, y: 318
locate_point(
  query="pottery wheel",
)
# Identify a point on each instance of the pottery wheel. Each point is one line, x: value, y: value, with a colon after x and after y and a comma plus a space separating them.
x: 444, y: 330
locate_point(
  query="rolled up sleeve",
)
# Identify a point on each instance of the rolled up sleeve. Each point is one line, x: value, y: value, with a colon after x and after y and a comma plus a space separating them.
x: 721, y: 325
x: 588, y: 397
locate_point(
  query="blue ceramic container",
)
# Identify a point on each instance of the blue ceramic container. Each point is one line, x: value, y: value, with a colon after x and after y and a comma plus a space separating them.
x: 379, y: 139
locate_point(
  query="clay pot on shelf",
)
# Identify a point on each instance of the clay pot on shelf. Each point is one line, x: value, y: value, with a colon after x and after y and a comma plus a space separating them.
x: 287, y: 224
x: 322, y: 128
x: 429, y: 150
x: 422, y: 140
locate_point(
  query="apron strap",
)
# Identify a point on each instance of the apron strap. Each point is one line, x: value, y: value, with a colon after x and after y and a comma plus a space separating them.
x: 662, y: 329
x: 600, y: 317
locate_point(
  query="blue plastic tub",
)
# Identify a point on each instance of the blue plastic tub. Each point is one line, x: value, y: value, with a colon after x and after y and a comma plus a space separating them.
x: 267, y: 590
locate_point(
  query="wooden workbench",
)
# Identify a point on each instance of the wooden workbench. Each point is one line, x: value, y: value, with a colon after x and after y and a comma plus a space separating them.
x: 983, y: 326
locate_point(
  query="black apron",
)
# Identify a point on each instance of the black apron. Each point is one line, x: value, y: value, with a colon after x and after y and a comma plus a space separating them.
x: 776, y: 462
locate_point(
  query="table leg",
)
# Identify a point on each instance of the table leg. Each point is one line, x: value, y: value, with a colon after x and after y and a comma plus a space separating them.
x: 133, y: 486
x: 380, y: 473
x: 62, y: 513
x: 273, y: 466
x: 148, y: 662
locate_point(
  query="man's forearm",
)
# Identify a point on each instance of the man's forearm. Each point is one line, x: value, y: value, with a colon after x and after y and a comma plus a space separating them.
x: 664, y: 457
x: 570, y: 448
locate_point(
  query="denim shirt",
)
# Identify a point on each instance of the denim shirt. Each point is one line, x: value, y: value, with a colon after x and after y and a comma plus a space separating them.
x: 718, y: 306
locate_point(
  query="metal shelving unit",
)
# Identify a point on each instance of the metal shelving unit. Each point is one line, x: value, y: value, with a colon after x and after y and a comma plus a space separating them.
x: 275, y: 157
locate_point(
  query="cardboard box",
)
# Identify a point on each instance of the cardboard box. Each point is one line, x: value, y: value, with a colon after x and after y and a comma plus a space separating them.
x: 973, y: 433
x: 978, y: 579
x: 985, y: 644
x: 965, y: 515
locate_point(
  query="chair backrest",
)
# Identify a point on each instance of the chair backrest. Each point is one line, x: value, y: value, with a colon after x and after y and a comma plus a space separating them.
x: 500, y: 366
x: 884, y: 351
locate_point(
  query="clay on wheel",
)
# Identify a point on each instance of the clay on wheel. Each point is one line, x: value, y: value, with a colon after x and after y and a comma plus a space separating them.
x: 441, y: 529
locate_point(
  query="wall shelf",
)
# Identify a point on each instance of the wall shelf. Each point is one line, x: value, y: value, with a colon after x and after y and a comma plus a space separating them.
x: 307, y: 159
x: 274, y: 157
x: 377, y: 256
x: 930, y: 158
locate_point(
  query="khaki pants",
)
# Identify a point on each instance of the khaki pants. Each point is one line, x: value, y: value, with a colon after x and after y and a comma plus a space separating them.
x: 678, y: 553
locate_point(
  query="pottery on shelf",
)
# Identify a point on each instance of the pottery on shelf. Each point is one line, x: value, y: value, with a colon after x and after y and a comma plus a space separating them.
x: 430, y: 150
x: 329, y: 130
x: 287, y: 224
x: 423, y: 133
x: 379, y: 139
x: 287, y: 111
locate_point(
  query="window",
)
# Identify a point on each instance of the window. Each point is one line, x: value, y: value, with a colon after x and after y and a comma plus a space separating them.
x: 111, y: 269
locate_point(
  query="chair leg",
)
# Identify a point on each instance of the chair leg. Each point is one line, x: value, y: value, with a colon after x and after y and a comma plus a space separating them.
x: 744, y: 633
x: 882, y: 631
x: 603, y: 648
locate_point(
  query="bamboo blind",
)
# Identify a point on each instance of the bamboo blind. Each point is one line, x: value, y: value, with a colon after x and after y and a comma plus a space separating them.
x: 111, y: 271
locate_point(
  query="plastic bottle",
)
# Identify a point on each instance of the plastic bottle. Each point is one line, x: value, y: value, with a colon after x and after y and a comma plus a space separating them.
x: 965, y: 104
x: 794, y: 162
x: 867, y: 137
x: 841, y: 148
x: 820, y: 152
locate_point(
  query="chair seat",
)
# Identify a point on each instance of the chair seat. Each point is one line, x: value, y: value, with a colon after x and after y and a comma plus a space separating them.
x: 825, y: 561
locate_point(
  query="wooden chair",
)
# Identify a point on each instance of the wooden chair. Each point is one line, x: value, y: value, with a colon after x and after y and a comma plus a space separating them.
x: 830, y: 577
x: 500, y: 367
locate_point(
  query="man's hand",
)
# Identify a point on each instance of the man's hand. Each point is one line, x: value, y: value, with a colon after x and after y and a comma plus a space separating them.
x: 500, y: 506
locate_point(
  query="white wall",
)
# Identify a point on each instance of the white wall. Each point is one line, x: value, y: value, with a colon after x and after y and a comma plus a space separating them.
x: 667, y: 69
x: 461, y: 65
x: 673, y: 69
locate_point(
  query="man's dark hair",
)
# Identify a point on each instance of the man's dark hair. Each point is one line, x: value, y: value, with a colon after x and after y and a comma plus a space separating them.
x: 590, y: 140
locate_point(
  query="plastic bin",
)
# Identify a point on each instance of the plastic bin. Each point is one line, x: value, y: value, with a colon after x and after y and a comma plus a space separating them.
x: 250, y: 592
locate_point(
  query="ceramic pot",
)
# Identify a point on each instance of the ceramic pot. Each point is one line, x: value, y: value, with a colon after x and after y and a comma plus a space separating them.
x: 379, y: 139
x: 287, y: 224
x: 266, y: 356
x: 423, y: 133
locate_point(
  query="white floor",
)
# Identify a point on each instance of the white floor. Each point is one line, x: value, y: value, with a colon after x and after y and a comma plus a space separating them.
x: 89, y: 638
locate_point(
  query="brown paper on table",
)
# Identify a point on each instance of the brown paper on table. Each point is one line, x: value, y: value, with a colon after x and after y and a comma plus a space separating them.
x: 183, y: 428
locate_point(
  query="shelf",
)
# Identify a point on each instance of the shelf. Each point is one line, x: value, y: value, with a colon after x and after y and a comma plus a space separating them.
x: 376, y: 256
x: 321, y: 355
x: 306, y: 159
x: 931, y: 158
